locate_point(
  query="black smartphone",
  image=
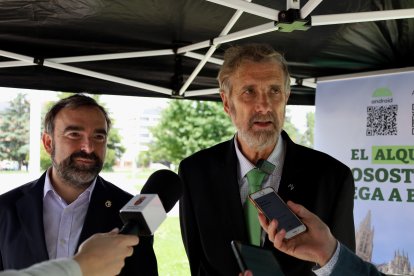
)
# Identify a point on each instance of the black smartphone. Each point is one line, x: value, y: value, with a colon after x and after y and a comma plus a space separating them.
x: 259, y: 260
x: 273, y: 207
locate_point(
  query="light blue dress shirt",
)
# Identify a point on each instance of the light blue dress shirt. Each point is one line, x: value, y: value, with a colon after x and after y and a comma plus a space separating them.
x: 63, y: 222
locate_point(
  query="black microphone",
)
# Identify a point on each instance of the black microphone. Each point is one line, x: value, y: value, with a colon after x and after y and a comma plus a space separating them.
x: 145, y: 212
x: 167, y: 185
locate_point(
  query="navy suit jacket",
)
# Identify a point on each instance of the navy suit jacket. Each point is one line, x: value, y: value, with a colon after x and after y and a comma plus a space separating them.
x: 22, y: 239
x: 211, y: 213
x: 350, y: 264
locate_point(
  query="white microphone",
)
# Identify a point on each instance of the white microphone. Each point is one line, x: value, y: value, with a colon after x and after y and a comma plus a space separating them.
x: 144, y: 213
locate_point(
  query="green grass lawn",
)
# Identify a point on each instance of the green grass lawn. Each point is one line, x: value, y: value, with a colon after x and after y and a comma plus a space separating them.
x: 169, y: 249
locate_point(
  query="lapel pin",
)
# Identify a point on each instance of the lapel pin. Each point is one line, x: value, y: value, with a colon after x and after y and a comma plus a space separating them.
x: 291, y: 187
x: 108, y: 204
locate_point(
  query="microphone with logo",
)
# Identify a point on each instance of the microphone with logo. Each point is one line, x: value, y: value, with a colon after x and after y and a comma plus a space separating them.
x: 145, y: 212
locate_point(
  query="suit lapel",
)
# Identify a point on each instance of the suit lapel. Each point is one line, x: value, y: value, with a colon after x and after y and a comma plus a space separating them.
x: 30, y: 213
x: 95, y: 214
x: 102, y: 214
x: 289, y: 186
x: 231, y: 201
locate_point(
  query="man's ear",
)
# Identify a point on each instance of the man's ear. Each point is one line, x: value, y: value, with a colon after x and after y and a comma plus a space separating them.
x: 47, y: 142
x: 225, y: 100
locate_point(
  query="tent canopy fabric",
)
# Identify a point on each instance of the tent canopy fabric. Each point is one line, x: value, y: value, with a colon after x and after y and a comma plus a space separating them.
x: 153, y: 47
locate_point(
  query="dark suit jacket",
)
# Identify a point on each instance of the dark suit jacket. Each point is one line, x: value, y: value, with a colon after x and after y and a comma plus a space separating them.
x: 211, y: 213
x: 350, y: 264
x: 22, y: 240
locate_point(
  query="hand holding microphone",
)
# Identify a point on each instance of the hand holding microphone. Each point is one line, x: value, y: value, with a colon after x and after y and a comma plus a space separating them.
x: 104, y: 253
x: 145, y: 212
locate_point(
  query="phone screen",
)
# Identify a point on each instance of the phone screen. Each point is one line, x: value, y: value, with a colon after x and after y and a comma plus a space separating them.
x: 274, y: 208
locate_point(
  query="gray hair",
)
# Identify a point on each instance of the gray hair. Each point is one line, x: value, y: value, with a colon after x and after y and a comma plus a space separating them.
x: 235, y: 55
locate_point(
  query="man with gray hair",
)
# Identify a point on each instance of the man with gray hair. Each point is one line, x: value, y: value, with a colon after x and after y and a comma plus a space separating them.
x: 50, y: 217
x: 214, y: 210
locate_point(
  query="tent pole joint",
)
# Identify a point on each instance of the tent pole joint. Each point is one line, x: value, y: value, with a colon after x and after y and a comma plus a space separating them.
x: 39, y: 61
x: 177, y: 79
x: 176, y: 95
x: 290, y: 20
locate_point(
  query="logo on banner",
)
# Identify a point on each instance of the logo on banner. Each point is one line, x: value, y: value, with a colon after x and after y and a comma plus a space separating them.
x: 382, y: 115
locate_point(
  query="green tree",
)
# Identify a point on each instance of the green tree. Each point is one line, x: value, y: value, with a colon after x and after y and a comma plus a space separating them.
x: 143, y: 159
x: 45, y: 161
x: 307, y: 137
x: 290, y: 128
x: 114, y: 151
x: 187, y: 126
x: 14, y: 130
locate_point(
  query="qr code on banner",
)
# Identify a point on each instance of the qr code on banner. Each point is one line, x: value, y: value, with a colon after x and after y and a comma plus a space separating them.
x: 382, y: 120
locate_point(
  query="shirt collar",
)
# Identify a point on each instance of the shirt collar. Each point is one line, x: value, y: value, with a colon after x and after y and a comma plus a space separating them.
x: 48, y: 187
x: 275, y: 157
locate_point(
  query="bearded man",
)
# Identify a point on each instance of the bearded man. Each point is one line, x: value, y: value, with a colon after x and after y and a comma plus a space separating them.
x: 254, y: 88
x: 50, y: 217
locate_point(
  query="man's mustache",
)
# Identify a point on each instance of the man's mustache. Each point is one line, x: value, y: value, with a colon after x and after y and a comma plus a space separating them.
x: 82, y: 154
x: 269, y: 117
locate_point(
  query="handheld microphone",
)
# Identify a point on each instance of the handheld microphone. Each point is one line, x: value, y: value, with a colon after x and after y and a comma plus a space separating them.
x: 145, y: 212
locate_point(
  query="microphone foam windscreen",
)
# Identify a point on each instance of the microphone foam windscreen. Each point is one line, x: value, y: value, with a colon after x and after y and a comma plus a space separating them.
x: 167, y: 184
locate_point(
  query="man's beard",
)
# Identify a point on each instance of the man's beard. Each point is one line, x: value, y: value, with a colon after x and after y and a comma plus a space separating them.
x: 261, y: 139
x: 78, y: 176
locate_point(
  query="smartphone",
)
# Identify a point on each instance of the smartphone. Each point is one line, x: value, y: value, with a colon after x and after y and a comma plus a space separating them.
x: 273, y: 207
x: 259, y: 260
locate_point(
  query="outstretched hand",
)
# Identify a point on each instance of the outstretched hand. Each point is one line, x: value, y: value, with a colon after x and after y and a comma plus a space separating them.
x: 104, y: 254
x: 317, y: 244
